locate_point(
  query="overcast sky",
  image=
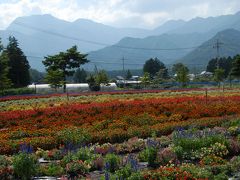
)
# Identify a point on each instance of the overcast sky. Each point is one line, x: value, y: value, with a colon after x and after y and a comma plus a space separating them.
x: 120, y: 13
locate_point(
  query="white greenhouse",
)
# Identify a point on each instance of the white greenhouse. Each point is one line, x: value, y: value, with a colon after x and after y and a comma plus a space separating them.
x: 71, y: 88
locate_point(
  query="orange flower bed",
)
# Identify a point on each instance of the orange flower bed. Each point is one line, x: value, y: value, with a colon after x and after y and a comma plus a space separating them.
x: 113, y: 121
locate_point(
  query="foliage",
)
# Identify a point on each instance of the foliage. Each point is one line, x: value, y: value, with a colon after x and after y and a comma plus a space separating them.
x: 17, y: 91
x: 52, y: 169
x: 5, y: 82
x: 152, y: 66
x: 224, y: 63
x: 73, y: 136
x: 128, y: 75
x: 95, y: 80
x: 146, y: 79
x: 55, y: 78
x: 112, y: 162
x: 219, y: 75
x: 182, y: 73
x: 18, y: 64
x: 24, y: 166
x: 124, y: 172
x: 63, y: 65
x: 77, y: 168
x: 235, y: 71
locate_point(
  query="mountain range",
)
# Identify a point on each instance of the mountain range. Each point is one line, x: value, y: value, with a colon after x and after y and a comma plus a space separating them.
x: 174, y: 41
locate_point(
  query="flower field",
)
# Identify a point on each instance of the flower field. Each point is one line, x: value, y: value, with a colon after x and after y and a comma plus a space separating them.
x: 183, y: 131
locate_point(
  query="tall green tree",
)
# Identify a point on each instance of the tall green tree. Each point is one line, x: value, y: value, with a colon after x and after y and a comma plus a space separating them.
x: 152, y: 66
x: 64, y: 62
x: 146, y: 79
x: 129, y: 74
x: 177, y: 67
x: 235, y: 71
x: 182, y: 74
x: 224, y: 63
x: 55, y: 78
x: 5, y: 82
x: 219, y: 75
x: 18, y: 64
x: 95, y: 80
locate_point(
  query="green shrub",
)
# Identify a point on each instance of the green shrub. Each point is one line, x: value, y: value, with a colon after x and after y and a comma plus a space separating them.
x: 124, y: 172
x: 113, y: 162
x: 5, y: 168
x: 69, y: 157
x: 149, y: 155
x: 73, y: 135
x: 17, y: 91
x: 76, y: 168
x: 136, y: 176
x: 24, y: 166
x: 191, y: 142
x: 84, y: 154
x: 51, y: 170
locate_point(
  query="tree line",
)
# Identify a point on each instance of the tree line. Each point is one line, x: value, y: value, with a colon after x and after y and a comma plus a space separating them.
x: 15, y: 70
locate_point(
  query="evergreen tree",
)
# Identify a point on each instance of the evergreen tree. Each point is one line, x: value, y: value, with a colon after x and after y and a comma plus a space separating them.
x: 224, y: 63
x: 182, y: 74
x: 54, y: 78
x: 235, y: 72
x: 146, y: 79
x: 5, y: 82
x: 64, y: 64
x: 18, y: 64
x: 219, y: 75
x: 129, y: 74
x: 152, y: 66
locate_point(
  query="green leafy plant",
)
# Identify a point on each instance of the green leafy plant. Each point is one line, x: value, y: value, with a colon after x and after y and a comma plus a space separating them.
x: 113, y: 161
x: 73, y: 135
x: 24, y: 166
x: 77, y: 168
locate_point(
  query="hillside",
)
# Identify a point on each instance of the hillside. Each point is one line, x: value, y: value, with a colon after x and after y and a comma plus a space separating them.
x: 41, y: 35
x: 136, y: 51
x: 230, y: 40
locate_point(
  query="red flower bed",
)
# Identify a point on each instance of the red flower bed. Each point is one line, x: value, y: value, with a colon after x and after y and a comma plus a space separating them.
x: 113, y: 121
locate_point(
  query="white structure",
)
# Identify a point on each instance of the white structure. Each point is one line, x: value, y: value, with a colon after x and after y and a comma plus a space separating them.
x: 83, y: 87
x: 206, y: 74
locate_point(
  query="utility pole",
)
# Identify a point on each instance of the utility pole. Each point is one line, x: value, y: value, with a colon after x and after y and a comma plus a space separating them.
x: 217, y: 46
x: 123, y: 65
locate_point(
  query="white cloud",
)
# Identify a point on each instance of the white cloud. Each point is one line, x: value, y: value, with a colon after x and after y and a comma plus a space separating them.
x: 139, y: 13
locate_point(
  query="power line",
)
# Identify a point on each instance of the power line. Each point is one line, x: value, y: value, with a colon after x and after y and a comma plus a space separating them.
x: 102, y: 44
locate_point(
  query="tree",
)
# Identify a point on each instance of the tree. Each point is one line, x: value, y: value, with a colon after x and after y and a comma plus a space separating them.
x: 54, y: 78
x: 161, y: 76
x: 152, y: 66
x: 80, y: 76
x: 224, y: 63
x: 129, y: 74
x: 18, y: 64
x: 101, y: 77
x: 95, y: 80
x: 5, y: 82
x: 219, y: 75
x: 182, y: 74
x: 235, y: 71
x: 177, y: 67
x: 64, y: 62
x: 146, y: 79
